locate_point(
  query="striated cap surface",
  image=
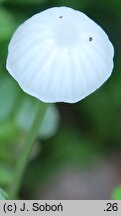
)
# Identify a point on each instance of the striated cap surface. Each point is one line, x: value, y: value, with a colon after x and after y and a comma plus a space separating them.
x: 60, y: 55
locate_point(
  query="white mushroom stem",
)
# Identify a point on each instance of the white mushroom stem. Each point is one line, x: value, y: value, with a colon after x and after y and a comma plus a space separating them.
x: 24, y: 156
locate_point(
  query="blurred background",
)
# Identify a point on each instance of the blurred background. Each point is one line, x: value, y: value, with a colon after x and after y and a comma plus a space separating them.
x: 77, y: 154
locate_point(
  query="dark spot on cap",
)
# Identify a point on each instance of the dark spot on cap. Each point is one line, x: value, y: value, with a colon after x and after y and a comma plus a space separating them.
x: 90, y: 38
x: 60, y: 17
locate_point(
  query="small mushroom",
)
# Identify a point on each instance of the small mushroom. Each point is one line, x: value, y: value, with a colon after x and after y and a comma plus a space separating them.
x: 60, y: 55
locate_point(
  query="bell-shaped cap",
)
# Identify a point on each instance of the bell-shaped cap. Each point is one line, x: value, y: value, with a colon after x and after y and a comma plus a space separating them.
x: 60, y: 55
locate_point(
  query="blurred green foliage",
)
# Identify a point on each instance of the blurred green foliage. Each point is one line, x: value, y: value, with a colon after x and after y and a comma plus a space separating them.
x: 88, y: 129
x: 3, y: 195
x: 116, y: 194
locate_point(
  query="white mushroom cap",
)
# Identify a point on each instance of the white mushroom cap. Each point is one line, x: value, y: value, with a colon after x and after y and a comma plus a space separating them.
x: 60, y: 55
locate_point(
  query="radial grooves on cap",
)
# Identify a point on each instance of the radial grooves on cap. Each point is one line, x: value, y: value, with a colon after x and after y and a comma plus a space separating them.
x: 41, y: 64
x: 87, y: 68
x: 29, y: 59
x: 74, y: 69
x: 101, y: 58
x: 48, y: 72
x: 79, y: 78
x: 33, y: 87
x: 96, y: 60
x: 53, y: 87
x: 29, y: 44
x: 26, y: 41
x: 58, y: 77
x: 103, y: 52
x: 69, y: 80
x: 60, y: 71
x: 90, y: 70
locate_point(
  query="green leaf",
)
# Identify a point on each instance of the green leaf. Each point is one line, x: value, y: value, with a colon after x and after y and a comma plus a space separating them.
x: 24, y: 2
x: 3, y: 195
x: 5, y: 175
x: 7, y: 24
x: 71, y: 3
x: 116, y: 194
x: 1, y: 1
x: 8, y: 97
x: 8, y: 131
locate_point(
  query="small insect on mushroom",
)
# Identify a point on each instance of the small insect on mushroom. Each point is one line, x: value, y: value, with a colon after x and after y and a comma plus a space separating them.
x: 90, y: 38
x: 60, y: 55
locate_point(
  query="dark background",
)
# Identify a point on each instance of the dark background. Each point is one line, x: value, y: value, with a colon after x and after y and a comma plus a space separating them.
x: 78, y: 151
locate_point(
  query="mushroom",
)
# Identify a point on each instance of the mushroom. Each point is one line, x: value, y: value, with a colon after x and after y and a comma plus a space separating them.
x: 60, y: 55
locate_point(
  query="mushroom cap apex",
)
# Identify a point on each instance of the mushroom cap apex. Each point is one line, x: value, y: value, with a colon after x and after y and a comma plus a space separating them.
x: 60, y: 55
